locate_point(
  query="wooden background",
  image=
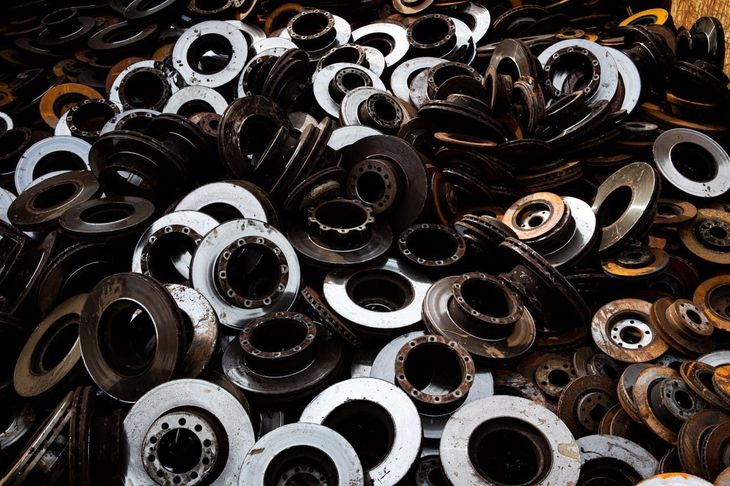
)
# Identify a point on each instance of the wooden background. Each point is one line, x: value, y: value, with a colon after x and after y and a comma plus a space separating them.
x: 685, y: 12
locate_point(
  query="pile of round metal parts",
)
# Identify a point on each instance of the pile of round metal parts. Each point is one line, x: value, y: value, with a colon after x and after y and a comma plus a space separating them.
x: 249, y: 242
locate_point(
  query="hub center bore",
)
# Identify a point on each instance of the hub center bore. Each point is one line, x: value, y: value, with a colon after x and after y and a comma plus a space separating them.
x: 252, y: 272
x: 182, y: 448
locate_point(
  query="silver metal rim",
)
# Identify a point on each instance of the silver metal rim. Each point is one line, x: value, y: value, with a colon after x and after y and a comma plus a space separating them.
x: 239, y: 50
x: 29, y: 160
x: 336, y: 295
x: 454, y: 447
x: 406, y: 422
x: 322, y: 80
x: 332, y: 444
x: 663, y: 147
x: 196, y: 93
x: 203, y: 268
x: 609, y: 69
x: 186, y: 393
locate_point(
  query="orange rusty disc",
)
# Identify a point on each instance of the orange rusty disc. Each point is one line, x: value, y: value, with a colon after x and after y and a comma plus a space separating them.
x: 61, y: 98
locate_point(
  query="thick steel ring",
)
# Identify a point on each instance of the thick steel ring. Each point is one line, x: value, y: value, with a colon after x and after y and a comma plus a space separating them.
x: 623, y: 330
x: 597, y: 447
x: 630, y: 78
x: 634, y: 188
x: 439, y: 320
x: 322, y: 455
x: 343, y: 34
x: 119, y: 121
x: 404, y: 74
x: 41, y: 205
x: 229, y: 200
x: 609, y: 77
x: 715, y: 182
x: 204, y: 99
x: 322, y: 80
x: 34, y: 376
x: 394, y: 32
x: 172, y: 239
x: 351, y: 113
x: 204, y: 265
x: 107, y: 216
x: 468, y: 429
x: 166, y: 75
x: 385, y: 403
x: 112, y: 300
x: 199, y: 400
x: 383, y: 368
x: 582, y: 241
x: 346, y: 291
x: 74, y: 152
x: 193, y: 37
x: 204, y: 321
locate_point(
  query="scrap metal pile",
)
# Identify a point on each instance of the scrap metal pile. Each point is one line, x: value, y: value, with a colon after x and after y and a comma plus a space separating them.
x: 361, y: 242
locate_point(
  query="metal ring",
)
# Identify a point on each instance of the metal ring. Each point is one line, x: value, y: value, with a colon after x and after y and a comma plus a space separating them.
x: 323, y: 79
x: 123, y: 117
x: 109, y: 353
x: 482, y: 383
x: 229, y: 200
x: 107, y: 216
x: 165, y: 249
x: 510, y: 340
x: 343, y: 34
x: 201, y: 98
x: 703, y: 155
x: 600, y: 447
x: 404, y: 74
x: 194, y: 39
x: 623, y: 330
x: 482, y: 438
x: 624, y: 204
x: 224, y: 425
x: 274, y: 374
x: 37, y: 373
x: 383, y: 404
x: 69, y: 152
x: 167, y: 77
x: 345, y: 136
x: 385, y: 298
x: 630, y: 77
x: 307, y: 451
x: 609, y: 70
x: 396, y: 36
x: 205, y: 262
x: 41, y: 205
x: 204, y: 322
x: 341, y: 232
x: 583, y: 239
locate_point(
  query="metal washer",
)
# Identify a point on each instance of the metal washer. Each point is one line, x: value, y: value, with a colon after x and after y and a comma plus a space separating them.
x: 199, y: 94
x: 204, y: 266
x: 336, y: 293
x: 195, y: 396
x: 607, y: 62
x: 665, y: 144
x: 433, y: 425
x: 455, y: 442
x: 396, y: 32
x: 272, y: 450
x: 406, y: 423
x: 24, y: 171
x: 239, y: 50
x: 322, y: 80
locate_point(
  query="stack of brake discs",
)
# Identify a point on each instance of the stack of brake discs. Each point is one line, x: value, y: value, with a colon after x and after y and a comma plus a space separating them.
x: 418, y: 242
